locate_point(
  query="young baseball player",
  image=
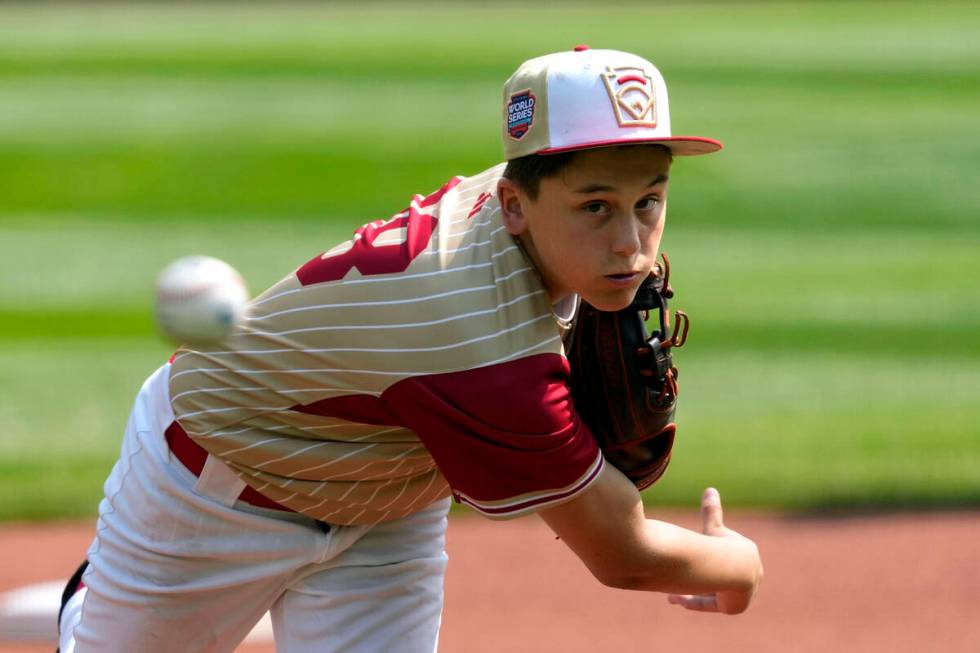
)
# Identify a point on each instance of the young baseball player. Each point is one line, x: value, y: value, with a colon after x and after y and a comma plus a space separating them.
x: 305, y: 467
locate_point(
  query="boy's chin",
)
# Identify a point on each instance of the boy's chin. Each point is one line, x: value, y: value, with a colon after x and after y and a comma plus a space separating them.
x: 611, y: 302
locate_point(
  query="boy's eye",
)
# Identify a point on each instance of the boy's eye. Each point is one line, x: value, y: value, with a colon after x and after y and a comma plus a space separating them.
x: 597, y: 208
x: 647, y: 203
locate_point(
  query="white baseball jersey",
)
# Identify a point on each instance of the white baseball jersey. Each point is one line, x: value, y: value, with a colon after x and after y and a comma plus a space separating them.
x: 420, y: 358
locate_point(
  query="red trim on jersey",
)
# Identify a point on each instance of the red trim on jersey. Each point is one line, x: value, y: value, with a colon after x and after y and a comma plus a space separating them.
x: 172, y: 357
x: 501, y: 431
x: 536, y: 501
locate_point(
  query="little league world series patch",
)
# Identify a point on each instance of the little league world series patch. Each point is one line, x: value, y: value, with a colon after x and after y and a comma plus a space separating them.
x: 520, y: 114
x: 632, y: 95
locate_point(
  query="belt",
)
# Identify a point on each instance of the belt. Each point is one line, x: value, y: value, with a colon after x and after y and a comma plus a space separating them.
x: 193, y: 456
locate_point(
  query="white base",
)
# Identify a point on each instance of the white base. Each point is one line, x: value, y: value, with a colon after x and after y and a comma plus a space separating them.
x: 30, y: 614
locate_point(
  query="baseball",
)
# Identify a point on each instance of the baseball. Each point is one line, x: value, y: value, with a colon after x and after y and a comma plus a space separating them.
x: 199, y: 300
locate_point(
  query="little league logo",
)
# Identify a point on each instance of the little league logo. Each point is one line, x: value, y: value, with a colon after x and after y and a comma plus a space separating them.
x: 632, y: 95
x: 520, y: 114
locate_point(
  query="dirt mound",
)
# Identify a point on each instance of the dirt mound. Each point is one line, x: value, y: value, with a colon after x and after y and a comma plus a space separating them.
x: 871, y: 583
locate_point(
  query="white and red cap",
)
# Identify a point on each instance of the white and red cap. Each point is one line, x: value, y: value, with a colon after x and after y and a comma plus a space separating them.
x: 589, y: 98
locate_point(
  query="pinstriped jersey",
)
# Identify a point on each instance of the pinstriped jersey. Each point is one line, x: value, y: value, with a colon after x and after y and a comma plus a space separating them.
x: 420, y: 358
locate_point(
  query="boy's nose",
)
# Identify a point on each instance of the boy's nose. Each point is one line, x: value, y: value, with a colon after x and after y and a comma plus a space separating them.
x: 626, y: 236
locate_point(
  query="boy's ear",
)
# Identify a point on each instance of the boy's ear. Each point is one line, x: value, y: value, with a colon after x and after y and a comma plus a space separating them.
x: 511, y: 199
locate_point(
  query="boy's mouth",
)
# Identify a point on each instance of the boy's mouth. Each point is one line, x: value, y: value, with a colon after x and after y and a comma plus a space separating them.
x: 622, y: 278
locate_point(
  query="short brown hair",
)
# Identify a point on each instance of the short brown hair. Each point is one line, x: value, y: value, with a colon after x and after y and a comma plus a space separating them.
x: 528, y: 171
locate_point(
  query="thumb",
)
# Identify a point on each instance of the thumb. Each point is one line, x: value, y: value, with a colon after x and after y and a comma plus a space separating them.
x: 711, y: 513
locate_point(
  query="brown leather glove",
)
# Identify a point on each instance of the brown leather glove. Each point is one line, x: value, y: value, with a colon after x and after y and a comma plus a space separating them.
x: 624, y: 382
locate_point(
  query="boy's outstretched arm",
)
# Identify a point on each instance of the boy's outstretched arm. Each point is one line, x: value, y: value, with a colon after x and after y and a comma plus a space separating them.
x: 717, y: 570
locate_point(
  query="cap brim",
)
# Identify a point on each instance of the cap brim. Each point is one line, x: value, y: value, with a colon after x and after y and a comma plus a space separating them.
x: 678, y: 145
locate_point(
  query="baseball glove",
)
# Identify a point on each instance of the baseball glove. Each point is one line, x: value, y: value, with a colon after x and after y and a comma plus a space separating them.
x: 624, y: 382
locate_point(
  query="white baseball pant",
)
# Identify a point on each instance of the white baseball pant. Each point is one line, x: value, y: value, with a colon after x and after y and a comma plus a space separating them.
x: 178, y: 565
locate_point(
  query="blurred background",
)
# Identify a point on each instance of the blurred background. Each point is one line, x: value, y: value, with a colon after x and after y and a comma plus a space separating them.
x: 829, y: 256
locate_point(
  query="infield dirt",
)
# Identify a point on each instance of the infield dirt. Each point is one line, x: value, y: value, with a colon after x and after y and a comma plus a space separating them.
x: 846, y: 584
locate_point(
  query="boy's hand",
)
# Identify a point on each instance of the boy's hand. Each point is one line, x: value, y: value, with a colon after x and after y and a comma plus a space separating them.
x: 745, y: 557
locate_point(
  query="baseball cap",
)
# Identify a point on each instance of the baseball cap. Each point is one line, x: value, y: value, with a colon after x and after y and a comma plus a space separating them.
x: 589, y: 98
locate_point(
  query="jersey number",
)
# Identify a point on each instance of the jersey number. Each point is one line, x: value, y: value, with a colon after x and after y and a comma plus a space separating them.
x: 382, y: 259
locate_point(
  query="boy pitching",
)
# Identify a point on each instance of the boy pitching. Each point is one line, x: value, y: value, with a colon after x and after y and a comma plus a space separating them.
x: 305, y: 466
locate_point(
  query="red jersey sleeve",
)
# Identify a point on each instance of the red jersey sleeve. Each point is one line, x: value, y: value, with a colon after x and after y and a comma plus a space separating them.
x: 505, y: 436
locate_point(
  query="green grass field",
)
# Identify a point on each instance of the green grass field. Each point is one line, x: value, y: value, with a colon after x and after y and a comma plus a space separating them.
x: 828, y: 256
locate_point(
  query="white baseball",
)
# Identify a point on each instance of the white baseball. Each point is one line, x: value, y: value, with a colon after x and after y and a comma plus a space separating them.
x: 199, y: 300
